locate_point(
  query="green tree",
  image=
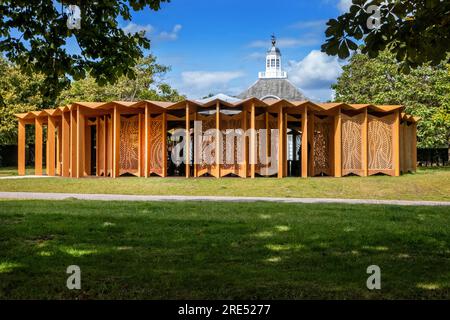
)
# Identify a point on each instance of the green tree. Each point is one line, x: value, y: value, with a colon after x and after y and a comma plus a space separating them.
x: 416, y: 31
x: 425, y: 92
x: 147, y: 84
x: 19, y: 92
x: 34, y: 33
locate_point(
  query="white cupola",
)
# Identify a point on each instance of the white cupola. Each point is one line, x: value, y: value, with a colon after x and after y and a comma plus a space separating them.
x: 273, y: 64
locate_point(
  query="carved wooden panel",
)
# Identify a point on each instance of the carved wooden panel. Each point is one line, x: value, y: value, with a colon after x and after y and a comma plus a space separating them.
x: 380, y: 140
x: 129, y: 145
x: 230, y: 123
x: 208, y: 138
x: 352, y: 144
x: 156, y: 146
x: 321, y: 143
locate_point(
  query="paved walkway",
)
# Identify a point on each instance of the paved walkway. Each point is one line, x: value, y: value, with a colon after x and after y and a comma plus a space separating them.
x: 120, y: 197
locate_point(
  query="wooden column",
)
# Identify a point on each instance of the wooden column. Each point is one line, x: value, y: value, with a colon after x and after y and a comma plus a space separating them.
x: 267, y: 142
x: 396, y: 144
x: 414, y: 147
x: 252, y: 141
x: 337, y: 144
x: 80, y: 144
x: 305, y: 142
x: 188, y: 142
x: 195, y: 148
x: 285, y: 122
x: 97, y: 146
x: 218, y: 147
x: 65, y: 144
x: 164, y: 143
x: 58, y: 149
x: 365, y: 144
x: 21, y: 148
x: 116, y: 143
x: 244, y: 142
x: 147, y: 142
x: 50, y: 163
x: 280, y: 143
x: 73, y: 142
x: 38, y: 147
x: 311, y: 143
x: 86, y: 147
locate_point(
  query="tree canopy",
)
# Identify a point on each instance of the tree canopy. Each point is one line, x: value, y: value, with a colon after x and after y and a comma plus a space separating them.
x: 416, y: 31
x: 20, y: 91
x: 34, y: 35
x: 425, y: 92
x: 147, y: 84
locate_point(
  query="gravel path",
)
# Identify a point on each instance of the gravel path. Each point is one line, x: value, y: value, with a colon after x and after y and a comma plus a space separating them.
x: 120, y: 197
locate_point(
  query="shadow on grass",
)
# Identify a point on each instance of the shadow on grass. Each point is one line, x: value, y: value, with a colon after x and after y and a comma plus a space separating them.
x: 221, y: 250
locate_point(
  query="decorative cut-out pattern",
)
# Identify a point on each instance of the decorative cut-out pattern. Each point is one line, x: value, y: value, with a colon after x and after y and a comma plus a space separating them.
x: 381, y: 143
x: 129, y: 145
x: 322, y: 134
x: 352, y: 144
x: 156, y: 146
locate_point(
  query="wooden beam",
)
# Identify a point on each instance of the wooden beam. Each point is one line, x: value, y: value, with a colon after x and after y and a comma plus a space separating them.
x: 252, y: 141
x: 164, y: 143
x: 50, y: 163
x: 86, y: 148
x: 73, y: 143
x: 396, y: 144
x: 414, y: 146
x: 267, y: 142
x: 58, y: 149
x: 285, y: 123
x: 244, y: 143
x: 196, y: 147
x: 80, y: 143
x: 365, y: 144
x: 188, y: 142
x: 21, y: 148
x: 97, y: 146
x: 311, y: 143
x: 305, y: 142
x: 280, y: 143
x: 338, y: 144
x: 65, y: 144
x: 147, y: 142
x: 38, y: 147
x: 218, y: 146
x: 116, y: 142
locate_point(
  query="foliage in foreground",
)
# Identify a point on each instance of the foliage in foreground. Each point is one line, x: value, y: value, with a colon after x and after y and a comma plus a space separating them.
x: 425, y: 92
x: 34, y: 35
x: 415, y: 31
x: 222, y: 250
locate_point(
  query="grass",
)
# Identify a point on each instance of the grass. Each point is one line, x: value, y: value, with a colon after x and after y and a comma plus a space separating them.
x: 222, y: 250
x: 426, y: 184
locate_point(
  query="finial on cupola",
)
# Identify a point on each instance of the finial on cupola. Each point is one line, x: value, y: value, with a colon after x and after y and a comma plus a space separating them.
x: 274, y: 40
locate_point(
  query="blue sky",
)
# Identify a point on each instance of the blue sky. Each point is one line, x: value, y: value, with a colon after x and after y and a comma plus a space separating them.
x: 219, y: 45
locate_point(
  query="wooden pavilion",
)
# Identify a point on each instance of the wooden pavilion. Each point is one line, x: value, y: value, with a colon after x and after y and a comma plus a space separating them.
x: 134, y: 138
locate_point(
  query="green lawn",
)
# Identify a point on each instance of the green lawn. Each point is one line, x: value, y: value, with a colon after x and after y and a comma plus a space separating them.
x: 222, y: 250
x: 426, y: 184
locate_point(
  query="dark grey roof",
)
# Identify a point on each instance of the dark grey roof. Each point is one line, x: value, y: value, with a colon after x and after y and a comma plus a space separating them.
x: 274, y: 49
x: 273, y: 88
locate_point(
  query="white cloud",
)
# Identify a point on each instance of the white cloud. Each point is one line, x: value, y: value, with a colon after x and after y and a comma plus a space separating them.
x: 133, y: 28
x: 315, y: 73
x: 313, y: 24
x: 172, y: 35
x: 286, y: 42
x: 259, y: 55
x: 149, y: 30
x: 344, y: 5
x: 209, y: 80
